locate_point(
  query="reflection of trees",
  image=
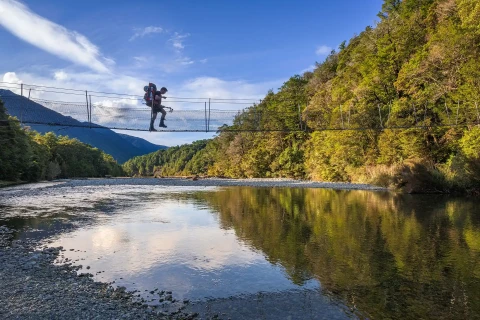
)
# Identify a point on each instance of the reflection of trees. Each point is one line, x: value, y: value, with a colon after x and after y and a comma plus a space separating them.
x: 389, y: 256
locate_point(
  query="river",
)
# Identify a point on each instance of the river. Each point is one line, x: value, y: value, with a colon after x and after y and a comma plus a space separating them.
x: 267, y: 253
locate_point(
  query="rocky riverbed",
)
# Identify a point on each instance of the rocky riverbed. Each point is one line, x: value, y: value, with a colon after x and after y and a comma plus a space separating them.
x: 221, y: 182
x: 32, y: 287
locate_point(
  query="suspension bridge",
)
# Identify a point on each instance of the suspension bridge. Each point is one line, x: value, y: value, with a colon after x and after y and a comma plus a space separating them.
x: 60, y: 107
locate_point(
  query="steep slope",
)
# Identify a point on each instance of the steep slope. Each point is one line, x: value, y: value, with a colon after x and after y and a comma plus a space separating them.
x: 122, y: 147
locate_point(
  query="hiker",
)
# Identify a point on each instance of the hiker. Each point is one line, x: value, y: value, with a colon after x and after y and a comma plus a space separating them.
x: 153, y: 99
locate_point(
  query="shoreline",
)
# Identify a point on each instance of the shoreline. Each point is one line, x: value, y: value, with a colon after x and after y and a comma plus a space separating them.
x: 33, y: 287
x: 206, y: 182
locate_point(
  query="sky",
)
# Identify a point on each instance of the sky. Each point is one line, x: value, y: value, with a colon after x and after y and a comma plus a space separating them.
x: 216, y: 48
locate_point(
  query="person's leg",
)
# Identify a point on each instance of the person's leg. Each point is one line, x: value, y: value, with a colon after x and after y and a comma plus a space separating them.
x: 162, y: 119
x: 152, y: 121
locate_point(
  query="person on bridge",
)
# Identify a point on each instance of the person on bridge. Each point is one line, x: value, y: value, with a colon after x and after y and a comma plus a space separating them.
x: 157, y: 107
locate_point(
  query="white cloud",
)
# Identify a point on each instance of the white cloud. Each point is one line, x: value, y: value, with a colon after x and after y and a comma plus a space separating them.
x: 323, y: 50
x: 177, y: 41
x: 130, y: 112
x: 49, y: 36
x: 61, y: 75
x: 185, y: 61
x: 118, y: 112
x: 176, y: 64
x: 12, y: 82
x: 140, y: 33
x: 309, y: 69
x: 211, y: 87
x: 11, y: 77
x: 109, y: 61
x: 203, y: 61
x: 100, y: 82
x: 140, y: 59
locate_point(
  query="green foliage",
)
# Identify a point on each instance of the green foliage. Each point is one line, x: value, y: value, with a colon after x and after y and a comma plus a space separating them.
x: 181, y: 160
x: 418, y: 67
x: 470, y: 142
x: 29, y: 156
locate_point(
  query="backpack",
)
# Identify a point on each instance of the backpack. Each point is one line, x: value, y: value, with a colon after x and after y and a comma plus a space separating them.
x: 149, y: 93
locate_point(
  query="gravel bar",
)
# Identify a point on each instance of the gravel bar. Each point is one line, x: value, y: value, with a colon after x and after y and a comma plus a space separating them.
x: 207, y: 182
x: 32, y: 287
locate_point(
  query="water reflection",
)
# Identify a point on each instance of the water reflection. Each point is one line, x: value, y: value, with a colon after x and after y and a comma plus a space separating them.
x: 388, y: 256
x: 175, y: 242
x: 384, y: 255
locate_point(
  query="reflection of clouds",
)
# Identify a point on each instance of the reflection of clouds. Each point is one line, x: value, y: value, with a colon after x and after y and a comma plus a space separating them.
x: 105, y: 238
x: 146, y: 237
x: 191, y: 239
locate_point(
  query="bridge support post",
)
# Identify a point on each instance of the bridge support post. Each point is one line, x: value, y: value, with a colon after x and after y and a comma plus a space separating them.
x: 90, y: 113
x: 21, y: 89
x: 86, y: 99
x: 208, y: 126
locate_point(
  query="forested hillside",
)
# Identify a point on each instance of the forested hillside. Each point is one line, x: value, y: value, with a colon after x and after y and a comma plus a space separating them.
x: 419, y: 65
x: 26, y: 155
x: 181, y: 160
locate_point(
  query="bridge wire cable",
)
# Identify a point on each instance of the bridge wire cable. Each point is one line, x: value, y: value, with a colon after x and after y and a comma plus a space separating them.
x: 81, y: 92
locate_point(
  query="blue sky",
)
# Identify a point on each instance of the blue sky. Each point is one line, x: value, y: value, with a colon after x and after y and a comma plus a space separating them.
x: 232, y: 49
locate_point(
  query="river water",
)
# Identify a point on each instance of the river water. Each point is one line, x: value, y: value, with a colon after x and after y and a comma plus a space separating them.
x: 267, y: 253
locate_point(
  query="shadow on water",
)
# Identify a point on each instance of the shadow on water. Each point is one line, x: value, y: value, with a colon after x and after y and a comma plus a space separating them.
x: 384, y: 256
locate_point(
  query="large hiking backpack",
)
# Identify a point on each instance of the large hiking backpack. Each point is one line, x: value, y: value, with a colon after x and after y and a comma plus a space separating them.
x: 149, y: 93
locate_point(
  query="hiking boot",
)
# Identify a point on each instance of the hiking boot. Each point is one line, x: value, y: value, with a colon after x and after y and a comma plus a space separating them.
x: 152, y: 127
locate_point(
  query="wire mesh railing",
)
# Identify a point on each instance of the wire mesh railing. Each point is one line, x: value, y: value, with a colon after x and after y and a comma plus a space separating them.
x: 127, y: 112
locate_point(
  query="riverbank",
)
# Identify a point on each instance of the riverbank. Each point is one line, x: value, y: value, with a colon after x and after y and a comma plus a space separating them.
x: 222, y: 182
x: 32, y: 287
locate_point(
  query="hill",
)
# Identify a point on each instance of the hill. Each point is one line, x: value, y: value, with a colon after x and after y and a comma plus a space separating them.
x: 27, y: 155
x: 416, y: 72
x: 121, y: 146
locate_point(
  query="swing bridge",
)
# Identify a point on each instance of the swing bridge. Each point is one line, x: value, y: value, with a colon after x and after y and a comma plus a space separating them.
x: 57, y: 107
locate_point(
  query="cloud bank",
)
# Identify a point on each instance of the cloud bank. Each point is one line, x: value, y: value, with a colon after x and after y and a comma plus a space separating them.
x: 51, y: 37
